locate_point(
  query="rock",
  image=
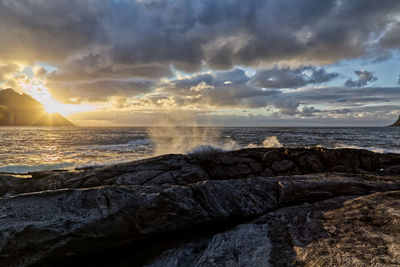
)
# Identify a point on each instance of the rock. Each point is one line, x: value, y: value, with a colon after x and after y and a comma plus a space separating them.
x: 256, y: 167
x: 369, y: 160
x: 338, y: 168
x: 343, y: 231
x: 273, y: 155
x: 393, y: 169
x: 55, y: 220
x: 311, y: 188
x: 310, y: 163
x: 285, y: 167
x: 245, y: 245
x: 329, y: 158
x: 267, y: 173
x: 252, y: 207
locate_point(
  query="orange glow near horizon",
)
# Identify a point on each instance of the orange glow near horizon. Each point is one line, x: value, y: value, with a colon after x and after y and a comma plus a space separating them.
x: 51, y: 105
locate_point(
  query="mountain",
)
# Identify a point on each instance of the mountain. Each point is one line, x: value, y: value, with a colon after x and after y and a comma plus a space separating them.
x: 397, y: 123
x: 23, y: 110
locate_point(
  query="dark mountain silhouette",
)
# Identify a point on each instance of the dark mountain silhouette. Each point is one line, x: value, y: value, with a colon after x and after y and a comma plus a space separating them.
x: 397, y: 123
x: 22, y: 110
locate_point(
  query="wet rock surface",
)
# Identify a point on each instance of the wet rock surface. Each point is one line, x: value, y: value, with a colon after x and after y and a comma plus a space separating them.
x: 251, y: 207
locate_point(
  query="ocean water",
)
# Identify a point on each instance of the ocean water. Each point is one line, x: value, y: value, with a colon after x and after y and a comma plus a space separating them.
x: 25, y: 149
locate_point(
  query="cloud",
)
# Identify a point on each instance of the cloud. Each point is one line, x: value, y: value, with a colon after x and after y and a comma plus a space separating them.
x: 291, y: 78
x: 100, y: 66
x: 119, y: 49
x: 364, y: 77
x: 219, y: 78
x: 205, y: 95
x: 131, y: 38
x: 99, y: 91
x: 216, y: 89
x: 235, y: 89
x: 50, y: 30
x: 286, y: 105
x: 343, y: 96
x: 7, y: 70
x: 391, y: 39
x: 333, y: 100
x: 309, y: 111
x: 381, y: 116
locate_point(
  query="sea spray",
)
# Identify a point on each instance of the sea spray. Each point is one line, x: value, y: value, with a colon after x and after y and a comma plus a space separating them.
x: 182, y: 140
x: 227, y: 145
x: 172, y: 136
x: 269, y: 142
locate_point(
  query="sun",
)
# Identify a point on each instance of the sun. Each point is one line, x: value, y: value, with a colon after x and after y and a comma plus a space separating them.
x: 51, y: 105
x: 51, y: 108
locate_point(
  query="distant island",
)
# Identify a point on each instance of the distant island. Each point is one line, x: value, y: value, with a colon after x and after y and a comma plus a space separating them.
x: 397, y: 123
x: 23, y: 110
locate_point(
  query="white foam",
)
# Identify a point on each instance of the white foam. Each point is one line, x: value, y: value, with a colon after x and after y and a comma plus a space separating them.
x: 269, y: 142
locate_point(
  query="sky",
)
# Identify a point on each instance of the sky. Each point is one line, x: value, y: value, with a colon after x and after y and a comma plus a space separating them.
x: 206, y: 62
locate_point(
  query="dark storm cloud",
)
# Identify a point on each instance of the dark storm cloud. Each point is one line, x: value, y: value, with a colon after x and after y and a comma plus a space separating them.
x: 291, y: 78
x: 131, y: 35
x: 392, y: 37
x: 364, y: 77
x: 222, y: 34
x: 39, y: 30
x: 100, y: 90
x: 94, y: 67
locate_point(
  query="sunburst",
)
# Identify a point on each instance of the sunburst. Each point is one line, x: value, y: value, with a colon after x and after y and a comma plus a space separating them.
x: 51, y: 105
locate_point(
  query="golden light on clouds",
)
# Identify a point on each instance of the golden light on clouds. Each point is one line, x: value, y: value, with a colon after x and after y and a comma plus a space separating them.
x: 36, y: 88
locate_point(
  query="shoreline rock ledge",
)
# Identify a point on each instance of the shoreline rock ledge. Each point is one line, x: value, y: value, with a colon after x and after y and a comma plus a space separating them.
x: 251, y: 207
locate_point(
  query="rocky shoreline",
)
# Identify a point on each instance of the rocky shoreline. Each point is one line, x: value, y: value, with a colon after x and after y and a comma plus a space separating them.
x: 251, y: 207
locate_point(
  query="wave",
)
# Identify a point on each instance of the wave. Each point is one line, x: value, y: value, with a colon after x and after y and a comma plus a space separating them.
x: 34, y: 168
x: 139, y: 143
x: 373, y: 149
x: 102, y: 155
x: 269, y: 142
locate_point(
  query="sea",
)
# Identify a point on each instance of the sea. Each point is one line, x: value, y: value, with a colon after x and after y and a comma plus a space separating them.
x: 28, y: 149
